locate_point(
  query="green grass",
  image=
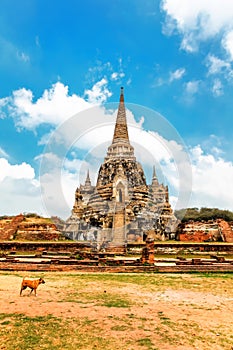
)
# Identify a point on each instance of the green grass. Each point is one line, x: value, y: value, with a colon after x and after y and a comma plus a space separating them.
x: 163, y: 318
x: 99, y: 299
x: 146, y: 342
x: 48, y: 332
x: 112, y: 300
x: 158, y: 281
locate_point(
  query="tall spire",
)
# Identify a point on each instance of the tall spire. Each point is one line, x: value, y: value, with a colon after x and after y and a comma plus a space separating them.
x: 88, y: 181
x: 121, y: 129
x: 154, y: 172
x: 120, y: 147
x: 154, y: 178
x: 166, y: 194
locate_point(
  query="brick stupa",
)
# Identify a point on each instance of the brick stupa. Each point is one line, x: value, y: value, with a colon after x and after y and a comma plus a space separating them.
x: 121, y: 208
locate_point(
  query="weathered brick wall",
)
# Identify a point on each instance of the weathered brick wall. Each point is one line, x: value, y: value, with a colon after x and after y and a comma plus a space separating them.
x: 196, y: 236
x: 116, y: 269
x: 21, y: 227
x: 134, y: 248
x: 226, y: 230
x: 204, y: 231
x: 38, y: 235
x: 9, y: 229
x: 41, y: 246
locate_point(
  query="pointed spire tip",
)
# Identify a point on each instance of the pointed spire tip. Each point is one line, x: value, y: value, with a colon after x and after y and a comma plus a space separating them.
x: 88, y: 180
x: 122, y: 95
x: 154, y: 173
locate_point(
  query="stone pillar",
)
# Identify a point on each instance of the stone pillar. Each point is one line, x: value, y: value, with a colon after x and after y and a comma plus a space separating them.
x: 148, y: 253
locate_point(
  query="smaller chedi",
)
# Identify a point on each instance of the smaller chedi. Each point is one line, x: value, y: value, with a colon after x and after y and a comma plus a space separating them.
x: 121, y: 207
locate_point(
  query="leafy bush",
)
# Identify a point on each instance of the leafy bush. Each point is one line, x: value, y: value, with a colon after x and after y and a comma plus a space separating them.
x: 205, y: 214
x: 32, y: 215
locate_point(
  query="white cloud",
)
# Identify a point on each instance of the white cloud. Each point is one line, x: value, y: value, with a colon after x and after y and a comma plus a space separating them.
x: 114, y: 76
x: 199, y: 20
x: 217, y: 88
x: 221, y: 69
x: 53, y: 107
x: 227, y: 43
x: 117, y: 75
x: 17, y: 171
x: 177, y: 74
x: 97, y: 72
x: 212, y: 180
x: 3, y: 101
x: 213, y: 145
x: 99, y: 92
x: 19, y: 196
x: 173, y: 76
x: 20, y: 190
x: 191, y: 89
x: 106, y: 69
x: 3, y: 105
x: 129, y: 81
x: 216, y: 65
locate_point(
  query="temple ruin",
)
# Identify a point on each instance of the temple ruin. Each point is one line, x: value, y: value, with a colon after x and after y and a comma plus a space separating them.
x: 121, y: 207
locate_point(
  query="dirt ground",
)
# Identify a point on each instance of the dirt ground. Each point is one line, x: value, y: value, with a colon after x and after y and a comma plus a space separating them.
x: 180, y: 318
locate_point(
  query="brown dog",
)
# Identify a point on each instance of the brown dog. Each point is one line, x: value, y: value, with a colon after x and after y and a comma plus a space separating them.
x: 33, y: 284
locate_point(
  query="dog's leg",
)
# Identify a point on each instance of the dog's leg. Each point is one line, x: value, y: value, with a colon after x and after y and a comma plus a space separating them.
x: 22, y: 288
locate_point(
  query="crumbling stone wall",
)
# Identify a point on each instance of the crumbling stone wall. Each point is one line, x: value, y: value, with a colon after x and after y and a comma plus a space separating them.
x: 226, y: 231
x: 195, y: 231
x: 29, y: 229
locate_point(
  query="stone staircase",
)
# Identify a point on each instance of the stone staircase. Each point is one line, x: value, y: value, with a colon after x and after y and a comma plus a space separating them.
x: 226, y: 231
x: 119, y: 225
x: 9, y: 230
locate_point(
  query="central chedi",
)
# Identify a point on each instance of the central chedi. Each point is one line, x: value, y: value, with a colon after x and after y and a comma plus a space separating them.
x: 121, y: 208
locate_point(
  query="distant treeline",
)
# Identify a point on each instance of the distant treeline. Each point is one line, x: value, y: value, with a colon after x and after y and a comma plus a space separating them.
x: 197, y: 214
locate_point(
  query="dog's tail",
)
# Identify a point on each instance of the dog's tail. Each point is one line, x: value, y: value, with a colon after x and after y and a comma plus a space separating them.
x: 25, y: 277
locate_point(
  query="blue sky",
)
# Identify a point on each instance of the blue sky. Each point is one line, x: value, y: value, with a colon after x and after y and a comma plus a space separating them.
x: 173, y: 57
